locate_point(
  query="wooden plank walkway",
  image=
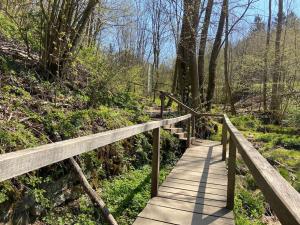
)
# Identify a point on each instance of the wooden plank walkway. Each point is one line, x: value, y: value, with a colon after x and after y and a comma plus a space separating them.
x: 194, y: 193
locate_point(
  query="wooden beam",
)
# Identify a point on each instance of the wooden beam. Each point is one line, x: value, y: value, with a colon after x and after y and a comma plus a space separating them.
x: 155, y: 163
x: 283, y: 198
x: 193, y: 125
x: 231, y: 174
x: 224, y: 139
x: 162, y: 104
x: 17, y: 163
x: 92, y: 193
x: 188, y: 127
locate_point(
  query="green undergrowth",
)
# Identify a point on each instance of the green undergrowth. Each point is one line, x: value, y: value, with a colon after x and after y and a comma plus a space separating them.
x: 280, y: 145
x: 127, y: 195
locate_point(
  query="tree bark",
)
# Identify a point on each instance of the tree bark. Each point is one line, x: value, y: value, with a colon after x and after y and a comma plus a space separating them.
x: 202, y: 47
x: 266, y: 71
x: 275, y: 99
x: 186, y: 55
x: 214, y: 57
x: 226, y: 65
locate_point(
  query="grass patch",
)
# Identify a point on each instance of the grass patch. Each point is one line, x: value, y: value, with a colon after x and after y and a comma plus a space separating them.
x: 127, y: 195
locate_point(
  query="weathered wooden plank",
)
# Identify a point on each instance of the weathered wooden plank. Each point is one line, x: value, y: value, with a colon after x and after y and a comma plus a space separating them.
x: 283, y: 198
x: 202, y: 174
x: 216, y: 172
x: 196, y: 183
x: 191, y: 207
x: 201, y: 188
x: 203, y: 179
x: 192, y: 193
x: 201, y: 163
x: 155, y: 162
x: 175, y: 216
x: 20, y: 162
x: 145, y: 221
x: 193, y: 199
x: 231, y: 174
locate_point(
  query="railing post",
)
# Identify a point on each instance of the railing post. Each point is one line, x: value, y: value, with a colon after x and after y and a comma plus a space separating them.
x: 162, y: 104
x: 155, y: 162
x: 231, y: 174
x: 193, y: 125
x: 224, y: 139
x: 189, y: 132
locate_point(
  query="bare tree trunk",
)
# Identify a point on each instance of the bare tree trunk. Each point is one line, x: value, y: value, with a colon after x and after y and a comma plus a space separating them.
x: 226, y: 65
x: 202, y: 47
x: 214, y: 57
x: 275, y: 100
x: 266, y: 71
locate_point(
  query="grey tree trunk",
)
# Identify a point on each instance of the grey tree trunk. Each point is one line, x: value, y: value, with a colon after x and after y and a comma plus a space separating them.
x: 275, y: 99
x: 214, y: 57
x: 202, y: 47
x: 226, y: 65
x: 266, y: 71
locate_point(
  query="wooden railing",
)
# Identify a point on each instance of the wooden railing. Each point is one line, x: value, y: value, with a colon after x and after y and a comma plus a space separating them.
x: 20, y: 162
x: 283, y: 198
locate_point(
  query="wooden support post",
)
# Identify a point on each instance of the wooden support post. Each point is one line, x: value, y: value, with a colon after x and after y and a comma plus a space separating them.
x: 155, y: 162
x: 188, y: 127
x: 193, y: 125
x: 231, y: 174
x: 162, y: 104
x: 91, y: 193
x: 224, y: 139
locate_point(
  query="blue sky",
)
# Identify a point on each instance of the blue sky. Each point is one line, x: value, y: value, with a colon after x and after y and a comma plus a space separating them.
x: 259, y: 8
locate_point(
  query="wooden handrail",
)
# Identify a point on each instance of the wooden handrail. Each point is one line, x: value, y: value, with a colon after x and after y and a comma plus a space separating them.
x: 283, y: 198
x: 17, y: 163
x: 190, y: 110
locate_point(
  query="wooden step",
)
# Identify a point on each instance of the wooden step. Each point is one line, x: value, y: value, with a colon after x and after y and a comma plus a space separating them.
x: 174, y: 130
x: 181, y: 135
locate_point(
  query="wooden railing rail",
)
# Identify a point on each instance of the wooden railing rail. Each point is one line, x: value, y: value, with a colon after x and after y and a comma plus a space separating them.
x: 282, y: 197
x: 17, y: 163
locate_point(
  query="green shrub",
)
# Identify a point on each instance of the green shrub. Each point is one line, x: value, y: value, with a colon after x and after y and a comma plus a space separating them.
x: 249, y: 207
x: 246, y: 122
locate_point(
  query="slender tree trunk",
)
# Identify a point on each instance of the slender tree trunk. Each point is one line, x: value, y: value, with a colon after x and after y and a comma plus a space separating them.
x: 266, y: 71
x: 275, y: 100
x: 226, y: 65
x: 202, y: 47
x: 214, y: 57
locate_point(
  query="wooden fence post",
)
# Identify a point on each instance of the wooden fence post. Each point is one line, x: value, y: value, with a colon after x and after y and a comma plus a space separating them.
x: 162, y: 104
x: 155, y: 162
x: 193, y: 125
x: 231, y: 174
x: 189, y: 132
x: 224, y: 139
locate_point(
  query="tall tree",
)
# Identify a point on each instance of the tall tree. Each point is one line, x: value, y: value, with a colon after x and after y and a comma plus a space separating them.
x: 266, y: 71
x: 214, y: 57
x: 275, y: 99
x: 202, y: 46
x: 186, y: 55
x: 226, y: 65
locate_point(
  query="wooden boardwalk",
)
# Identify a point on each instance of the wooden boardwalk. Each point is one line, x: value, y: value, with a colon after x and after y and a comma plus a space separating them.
x: 194, y: 193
